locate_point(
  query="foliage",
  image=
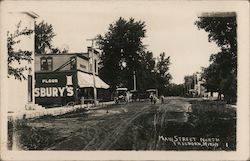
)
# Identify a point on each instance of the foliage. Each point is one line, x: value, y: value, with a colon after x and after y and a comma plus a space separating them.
x: 122, y: 51
x: 56, y: 50
x: 175, y: 90
x: 146, y: 74
x: 43, y: 37
x: 19, y: 56
x: 124, y: 54
x: 221, y: 75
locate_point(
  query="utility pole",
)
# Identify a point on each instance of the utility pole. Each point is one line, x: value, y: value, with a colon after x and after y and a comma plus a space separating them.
x: 134, y: 80
x: 93, y: 70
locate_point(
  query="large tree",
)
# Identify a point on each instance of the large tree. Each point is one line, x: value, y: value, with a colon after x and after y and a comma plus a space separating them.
x: 122, y: 51
x: 221, y: 75
x: 162, y: 73
x: 18, y: 59
x: 44, y: 35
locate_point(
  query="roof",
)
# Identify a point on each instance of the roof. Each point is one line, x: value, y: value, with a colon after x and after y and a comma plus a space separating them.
x: 82, y: 55
x: 122, y: 89
x: 31, y: 14
x: 218, y: 14
x: 151, y: 90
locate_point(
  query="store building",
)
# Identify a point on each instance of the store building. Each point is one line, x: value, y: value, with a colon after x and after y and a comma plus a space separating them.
x: 65, y: 78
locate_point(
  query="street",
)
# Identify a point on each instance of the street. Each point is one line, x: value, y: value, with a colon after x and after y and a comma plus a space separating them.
x: 132, y: 126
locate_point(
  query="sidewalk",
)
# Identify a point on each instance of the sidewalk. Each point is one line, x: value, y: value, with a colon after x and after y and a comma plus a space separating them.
x: 54, y: 111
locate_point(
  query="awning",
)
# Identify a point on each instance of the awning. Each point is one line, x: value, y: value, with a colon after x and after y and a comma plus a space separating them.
x: 100, y: 83
x: 86, y: 80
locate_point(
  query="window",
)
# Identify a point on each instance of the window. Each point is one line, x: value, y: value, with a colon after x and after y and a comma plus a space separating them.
x: 49, y: 62
x: 30, y: 96
x: 46, y: 63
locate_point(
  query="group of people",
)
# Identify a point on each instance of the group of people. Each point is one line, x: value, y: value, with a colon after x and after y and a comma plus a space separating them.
x: 153, y: 98
x: 128, y: 97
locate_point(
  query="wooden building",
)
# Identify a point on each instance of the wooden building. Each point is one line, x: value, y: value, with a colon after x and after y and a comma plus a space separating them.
x: 64, y: 78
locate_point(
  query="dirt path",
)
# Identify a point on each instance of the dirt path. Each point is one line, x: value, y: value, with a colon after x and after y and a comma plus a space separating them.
x: 115, y: 135
x: 105, y: 129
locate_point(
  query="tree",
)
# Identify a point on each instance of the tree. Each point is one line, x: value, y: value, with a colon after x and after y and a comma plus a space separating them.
x: 222, y: 72
x: 20, y: 56
x: 43, y: 37
x: 146, y: 74
x: 175, y: 90
x: 56, y: 50
x: 122, y: 52
x: 162, y: 73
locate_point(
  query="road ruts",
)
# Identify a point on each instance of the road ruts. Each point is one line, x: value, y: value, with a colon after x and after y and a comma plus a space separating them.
x: 162, y: 115
x: 111, y: 138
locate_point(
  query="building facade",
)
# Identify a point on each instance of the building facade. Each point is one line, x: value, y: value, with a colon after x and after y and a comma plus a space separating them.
x: 70, y: 77
x: 198, y: 84
x: 20, y: 93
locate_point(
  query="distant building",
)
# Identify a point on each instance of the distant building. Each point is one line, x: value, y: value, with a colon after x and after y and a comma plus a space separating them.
x: 20, y: 93
x: 198, y: 84
x: 64, y: 78
x: 194, y: 84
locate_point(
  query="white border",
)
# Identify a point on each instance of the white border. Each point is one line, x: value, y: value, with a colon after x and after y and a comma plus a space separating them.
x: 242, y: 152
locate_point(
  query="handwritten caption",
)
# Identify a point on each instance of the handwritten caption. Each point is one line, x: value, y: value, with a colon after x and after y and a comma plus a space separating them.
x: 190, y: 141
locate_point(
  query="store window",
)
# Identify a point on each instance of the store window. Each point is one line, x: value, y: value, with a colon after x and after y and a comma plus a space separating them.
x: 46, y: 63
x: 30, y: 91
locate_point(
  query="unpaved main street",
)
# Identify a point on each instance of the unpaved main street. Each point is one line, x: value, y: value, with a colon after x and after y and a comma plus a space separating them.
x: 131, y: 126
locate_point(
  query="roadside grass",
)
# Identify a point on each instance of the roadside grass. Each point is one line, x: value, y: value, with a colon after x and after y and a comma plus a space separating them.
x: 215, y: 119
x: 28, y: 137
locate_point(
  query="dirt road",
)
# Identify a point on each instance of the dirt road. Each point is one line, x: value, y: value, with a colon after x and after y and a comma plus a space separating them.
x: 131, y: 126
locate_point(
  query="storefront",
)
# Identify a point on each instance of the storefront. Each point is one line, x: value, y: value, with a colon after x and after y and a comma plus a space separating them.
x: 60, y: 88
x: 54, y: 89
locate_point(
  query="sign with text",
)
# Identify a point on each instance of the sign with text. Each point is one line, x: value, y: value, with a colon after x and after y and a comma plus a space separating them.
x: 54, y: 85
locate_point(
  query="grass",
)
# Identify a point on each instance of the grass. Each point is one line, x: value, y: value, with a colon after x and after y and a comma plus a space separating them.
x: 30, y: 138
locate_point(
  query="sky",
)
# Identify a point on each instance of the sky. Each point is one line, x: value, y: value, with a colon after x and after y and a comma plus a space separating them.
x: 169, y: 28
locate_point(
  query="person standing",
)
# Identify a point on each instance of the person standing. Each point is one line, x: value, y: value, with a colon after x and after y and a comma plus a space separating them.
x: 154, y: 99
x: 151, y: 98
x: 127, y: 97
x: 162, y: 99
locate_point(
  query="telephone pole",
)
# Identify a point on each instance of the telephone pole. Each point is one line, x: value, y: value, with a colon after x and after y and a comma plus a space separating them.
x: 93, y: 70
x: 134, y: 80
